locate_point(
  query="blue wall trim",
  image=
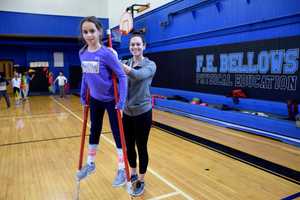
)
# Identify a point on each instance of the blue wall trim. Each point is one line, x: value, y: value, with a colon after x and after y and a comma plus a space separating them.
x: 27, y: 24
x: 276, y: 108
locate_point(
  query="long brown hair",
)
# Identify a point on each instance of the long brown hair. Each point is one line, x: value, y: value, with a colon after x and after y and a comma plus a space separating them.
x: 98, y: 25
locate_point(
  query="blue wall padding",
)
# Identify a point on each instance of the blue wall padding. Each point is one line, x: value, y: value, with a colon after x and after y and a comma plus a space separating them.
x: 289, y: 140
x: 275, y: 127
x: 277, y: 108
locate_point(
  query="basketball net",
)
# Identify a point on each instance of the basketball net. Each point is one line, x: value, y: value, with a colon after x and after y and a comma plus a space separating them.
x: 126, y: 23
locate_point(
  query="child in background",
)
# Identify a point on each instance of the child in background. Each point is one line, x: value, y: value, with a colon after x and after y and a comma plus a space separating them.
x: 28, y: 78
x: 16, y: 84
x: 51, y: 86
x: 98, y: 63
x: 62, y: 80
x: 24, y: 86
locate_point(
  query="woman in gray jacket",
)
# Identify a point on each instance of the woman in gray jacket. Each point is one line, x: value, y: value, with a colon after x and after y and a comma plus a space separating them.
x: 137, y: 115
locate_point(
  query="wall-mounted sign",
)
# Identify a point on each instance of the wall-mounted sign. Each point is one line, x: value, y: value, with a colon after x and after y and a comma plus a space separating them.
x: 38, y: 64
x: 58, y: 59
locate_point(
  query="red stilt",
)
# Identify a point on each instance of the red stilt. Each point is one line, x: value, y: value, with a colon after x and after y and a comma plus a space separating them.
x: 83, y: 132
x: 120, y: 124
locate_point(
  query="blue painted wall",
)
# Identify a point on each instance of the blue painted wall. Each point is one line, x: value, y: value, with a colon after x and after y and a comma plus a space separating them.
x: 26, y: 24
x: 193, y: 23
x: 26, y: 38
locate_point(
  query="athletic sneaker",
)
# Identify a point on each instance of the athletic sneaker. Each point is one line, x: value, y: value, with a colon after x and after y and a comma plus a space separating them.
x: 120, y: 179
x: 139, y: 189
x: 132, y: 185
x: 85, y: 171
x: 133, y: 180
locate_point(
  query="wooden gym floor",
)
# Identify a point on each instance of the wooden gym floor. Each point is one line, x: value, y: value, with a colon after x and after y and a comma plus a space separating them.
x: 39, y: 150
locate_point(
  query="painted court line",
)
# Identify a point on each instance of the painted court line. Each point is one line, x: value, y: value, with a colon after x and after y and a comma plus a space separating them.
x: 178, y: 191
x: 33, y: 115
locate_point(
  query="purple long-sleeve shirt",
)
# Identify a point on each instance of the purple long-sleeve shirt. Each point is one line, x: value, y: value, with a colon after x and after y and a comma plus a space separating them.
x: 97, y: 68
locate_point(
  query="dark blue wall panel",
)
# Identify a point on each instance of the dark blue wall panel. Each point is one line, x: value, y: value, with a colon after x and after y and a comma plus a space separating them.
x: 15, y: 54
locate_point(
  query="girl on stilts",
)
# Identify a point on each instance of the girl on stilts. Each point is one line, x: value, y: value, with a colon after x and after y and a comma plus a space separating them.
x: 98, y: 63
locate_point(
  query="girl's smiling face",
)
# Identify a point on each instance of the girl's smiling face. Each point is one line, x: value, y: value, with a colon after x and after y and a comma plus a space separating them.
x: 90, y: 33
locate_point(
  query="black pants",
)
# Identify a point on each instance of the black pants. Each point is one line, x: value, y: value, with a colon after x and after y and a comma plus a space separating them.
x: 5, y: 95
x: 136, y: 130
x: 16, y: 91
x: 97, y: 112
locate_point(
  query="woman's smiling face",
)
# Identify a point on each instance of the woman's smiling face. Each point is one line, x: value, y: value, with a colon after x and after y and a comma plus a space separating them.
x: 136, y: 46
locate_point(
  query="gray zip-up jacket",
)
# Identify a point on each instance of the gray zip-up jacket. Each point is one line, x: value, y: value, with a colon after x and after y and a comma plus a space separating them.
x: 139, y: 82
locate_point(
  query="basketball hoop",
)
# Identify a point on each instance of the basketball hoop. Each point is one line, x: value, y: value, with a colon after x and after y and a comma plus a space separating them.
x: 126, y: 23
